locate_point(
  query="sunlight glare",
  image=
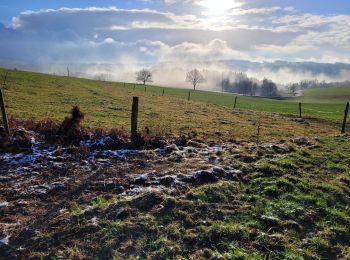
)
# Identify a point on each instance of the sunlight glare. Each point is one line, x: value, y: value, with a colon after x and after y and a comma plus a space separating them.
x: 218, y: 7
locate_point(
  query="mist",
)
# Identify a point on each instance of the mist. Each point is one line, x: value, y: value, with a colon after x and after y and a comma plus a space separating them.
x: 173, y: 74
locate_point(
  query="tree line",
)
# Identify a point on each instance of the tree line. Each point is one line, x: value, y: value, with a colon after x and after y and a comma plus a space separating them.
x: 240, y: 84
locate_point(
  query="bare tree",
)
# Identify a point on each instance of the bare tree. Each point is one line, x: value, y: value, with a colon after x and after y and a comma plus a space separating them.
x: 144, y: 76
x: 195, y: 77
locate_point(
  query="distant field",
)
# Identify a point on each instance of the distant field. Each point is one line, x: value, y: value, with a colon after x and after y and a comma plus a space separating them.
x: 326, y: 95
x: 107, y: 104
x: 326, y: 104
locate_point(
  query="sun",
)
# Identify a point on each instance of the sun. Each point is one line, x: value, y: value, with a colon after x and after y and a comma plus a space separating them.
x: 218, y: 7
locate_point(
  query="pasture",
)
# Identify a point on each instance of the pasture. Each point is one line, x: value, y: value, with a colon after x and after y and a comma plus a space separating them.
x: 209, y: 191
x: 107, y: 104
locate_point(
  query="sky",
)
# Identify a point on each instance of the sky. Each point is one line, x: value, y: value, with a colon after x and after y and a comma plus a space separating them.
x: 182, y: 32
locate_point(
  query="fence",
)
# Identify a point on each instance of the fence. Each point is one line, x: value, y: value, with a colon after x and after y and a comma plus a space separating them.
x: 302, y: 110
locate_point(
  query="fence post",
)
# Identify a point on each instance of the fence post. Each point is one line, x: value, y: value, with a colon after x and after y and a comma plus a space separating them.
x: 189, y: 95
x: 345, y: 118
x: 4, y: 114
x: 134, y: 86
x: 300, y: 109
x: 234, y: 106
x: 145, y: 88
x: 134, y: 115
x: 163, y: 92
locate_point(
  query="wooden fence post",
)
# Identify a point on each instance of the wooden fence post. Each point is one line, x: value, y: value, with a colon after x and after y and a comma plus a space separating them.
x: 235, y: 104
x: 189, y: 95
x: 163, y: 92
x: 145, y: 88
x: 134, y: 115
x: 300, y: 109
x: 4, y: 114
x: 345, y: 118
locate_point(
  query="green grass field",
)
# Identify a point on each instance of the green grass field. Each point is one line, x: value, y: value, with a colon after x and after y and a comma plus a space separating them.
x: 320, y: 103
x: 40, y: 96
x: 336, y: 95
x: 292, y: 205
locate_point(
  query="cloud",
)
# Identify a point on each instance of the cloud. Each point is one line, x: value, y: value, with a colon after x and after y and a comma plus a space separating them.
x: 133, y: 38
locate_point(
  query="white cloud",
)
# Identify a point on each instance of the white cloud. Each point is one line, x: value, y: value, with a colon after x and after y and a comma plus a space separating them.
x: 112, y: 35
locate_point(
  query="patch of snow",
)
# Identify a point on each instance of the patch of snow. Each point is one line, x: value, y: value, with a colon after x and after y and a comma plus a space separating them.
x: 5, y: 240
x: 3, y: 204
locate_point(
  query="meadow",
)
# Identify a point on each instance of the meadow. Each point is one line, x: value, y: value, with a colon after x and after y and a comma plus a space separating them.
x: 213, y: 193
x: 107, y: 104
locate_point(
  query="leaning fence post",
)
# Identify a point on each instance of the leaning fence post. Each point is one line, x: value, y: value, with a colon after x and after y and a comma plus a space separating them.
x: 4, y: 114
x: 134, y: 115
x: 345, y: 118
x: 300, y: 109
x: 189, y: 95
x: 234, y: 106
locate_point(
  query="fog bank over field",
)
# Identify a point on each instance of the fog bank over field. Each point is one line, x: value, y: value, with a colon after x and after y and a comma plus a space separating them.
x: 173, y: 74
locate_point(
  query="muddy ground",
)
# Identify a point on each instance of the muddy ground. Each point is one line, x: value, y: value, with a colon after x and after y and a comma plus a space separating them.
x: 39, y: 184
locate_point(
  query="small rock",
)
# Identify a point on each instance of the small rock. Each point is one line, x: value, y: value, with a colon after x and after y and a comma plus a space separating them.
x: 202, y: 177
x: 57, y: 186
x: 302, y: 121
x: 166, y: 180
x: 141, y: 179
x: 186, y: 178
x: 219, y: 172
x: 171, y: 148
x: 235, y: 175
x: 279, y: 149
x: 302, y: 141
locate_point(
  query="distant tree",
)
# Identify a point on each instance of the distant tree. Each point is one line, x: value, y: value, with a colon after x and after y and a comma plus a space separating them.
x: 144, y: 76
x: 194, y: 77
x: 268, y: 88
x: 253, y: 88
x: 293, y: 88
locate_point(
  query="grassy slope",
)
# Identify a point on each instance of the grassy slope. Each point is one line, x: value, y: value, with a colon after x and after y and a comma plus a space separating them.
x: 293, y: 207
x: 314, y: 104
x: 52, y: 95
x: 40, y: 96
